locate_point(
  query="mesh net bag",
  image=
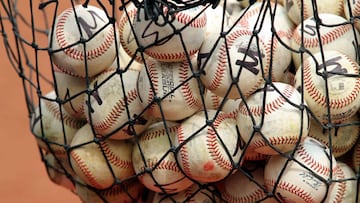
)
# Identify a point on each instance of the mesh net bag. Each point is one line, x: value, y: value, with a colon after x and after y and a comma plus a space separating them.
x: 194, y: 100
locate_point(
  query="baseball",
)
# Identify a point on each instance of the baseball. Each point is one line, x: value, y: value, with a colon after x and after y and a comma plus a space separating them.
x: 53, y: 127
x: 296, y: 8
x: 275, y: 32
x: 174, y: 84
x: 158, y: 36
x: 152, y: 152
x: 100, y: 163
x: 352, y: 10
x: 71, y: 90
x: 124, y: 62
x: 114, y: 106
x: 340, y: 37
x: 245, y: 65
x: 340, y: 95
x: 248, y: 188
x: 83, y: 41
x: 126, y: 34
x: 192, y: 194
x: 212, y: 101
x: 303, y: 179
x: 128, y: 191
x: 209, y: 146
x: 275, y: 110
x: 344, y: 189
x: 343, y: 136
x: 356, y: 157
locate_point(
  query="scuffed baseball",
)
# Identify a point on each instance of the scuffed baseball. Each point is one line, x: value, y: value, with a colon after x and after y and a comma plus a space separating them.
x: 343, y: 136
x: 303, y: 179
x: 297, y: 8
x: 83, y: 41
x: 275, y: 111
x: 53, y: 127
x: 99, y: 164
x: 152, y: 152
x: 202, y: 156
x: 158, y: 39
x: 174, y: 84
x: 341, y: 93
x: 242, y: 58
x: 113, y: 102
x: 352, y: 10
x: 334, y: 35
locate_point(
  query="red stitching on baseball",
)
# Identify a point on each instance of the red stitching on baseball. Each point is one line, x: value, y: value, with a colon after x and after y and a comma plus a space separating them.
x: 320, y: 98
x: 253, y: 196
x: 113, y: 158
x: 153, y: 134
x: 154, y: 80
x: 214, y: 146
x: 116, y: 112
x: 331, y: 36
x: 85, y: 170
x: 339, y: 186
x: 199, y: 22
x: 170, y: 56
x: 190, y: 98
x: 269, y: 107
x: 312, y: 162
x: 355, y: 9
x: 79, y: 54
x: 163, y: 165
x: 183, y: 151
x: 288, y: 140
x: 292, y: 189
x: 66, y: 119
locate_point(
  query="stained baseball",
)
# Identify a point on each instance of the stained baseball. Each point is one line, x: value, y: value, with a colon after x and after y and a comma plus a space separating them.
x: 275, y: 110
x: 303, y: 180
x: 158, y: 38
x: 53, y: 127
x: 297, y: 8
x: 113, y: 101
x: 334, y: 35
x: 174, y: 84
x: 343, y: 136
x: 202, y: 156
x: 83, y: 41
x: 152, y: 152
x: 246, y: 63
x: 341, y: 91
x: 354, y: 9
x: 100, y: 164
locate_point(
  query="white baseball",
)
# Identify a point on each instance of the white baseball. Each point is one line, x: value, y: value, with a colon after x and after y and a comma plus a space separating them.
x: 296, y: 8
x: 152, y: 152
x: 248, y: 188
x: 275, y: 32
x: 174, y: 84
x: 245, y: 65
x: 275, y: 111
x: 341, y: 91
x: 83, y: 41
x: 202, y: 156
x: 303, y: 179
x: 124, y: 62
x: 334, y: 35
x: 100, y: 163
x: 53, y: 127
x: 71, y: 90
x: 128, y: 191
x: 158, y: 36
x: 114, y: 106
x: 352, y: 10
x: 344, y: 189
x: 343, y: 136
x: 127, y: 38
x: 192, y: 194
x: 212, y: 101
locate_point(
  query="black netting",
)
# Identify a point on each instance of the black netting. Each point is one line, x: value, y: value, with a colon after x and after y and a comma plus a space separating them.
x: 192, y: 101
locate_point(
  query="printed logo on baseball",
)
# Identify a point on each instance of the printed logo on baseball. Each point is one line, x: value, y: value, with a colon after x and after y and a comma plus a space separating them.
x: 341, y: 93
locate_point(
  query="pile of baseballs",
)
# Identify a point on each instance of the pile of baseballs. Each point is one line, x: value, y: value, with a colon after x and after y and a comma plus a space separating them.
x: 238, y: 103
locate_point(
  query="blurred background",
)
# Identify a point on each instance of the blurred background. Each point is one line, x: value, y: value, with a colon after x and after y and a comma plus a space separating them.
x: 23, y: 177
